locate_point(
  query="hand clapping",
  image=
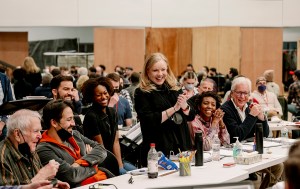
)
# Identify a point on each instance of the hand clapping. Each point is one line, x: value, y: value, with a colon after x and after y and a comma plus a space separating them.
x: 181, y: 102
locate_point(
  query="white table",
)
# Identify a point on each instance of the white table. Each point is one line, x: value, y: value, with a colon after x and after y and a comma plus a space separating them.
x: 289, y: 125
x: 211, y: 172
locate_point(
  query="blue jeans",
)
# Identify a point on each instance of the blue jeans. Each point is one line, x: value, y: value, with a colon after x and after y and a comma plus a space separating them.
x: 126, y: 167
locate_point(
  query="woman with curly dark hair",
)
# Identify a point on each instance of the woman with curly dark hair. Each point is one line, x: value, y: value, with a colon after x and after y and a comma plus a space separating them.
x: 100, y: 122
x: 210, y: 120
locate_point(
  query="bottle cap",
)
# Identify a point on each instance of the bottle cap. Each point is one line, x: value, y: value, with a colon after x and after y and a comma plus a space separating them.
x: 152, y: 144
x: 237, y: 140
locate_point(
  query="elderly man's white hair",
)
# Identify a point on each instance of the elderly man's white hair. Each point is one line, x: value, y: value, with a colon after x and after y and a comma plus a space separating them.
x: 82, y: 71
x: 240, y: 80
x: 21, y: 119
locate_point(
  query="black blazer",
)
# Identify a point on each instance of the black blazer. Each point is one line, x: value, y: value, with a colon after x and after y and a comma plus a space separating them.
x: 237, y: 128
x: 167, y: 135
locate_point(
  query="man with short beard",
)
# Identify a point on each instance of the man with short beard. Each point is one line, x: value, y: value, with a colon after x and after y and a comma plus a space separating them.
x: 62, y: 88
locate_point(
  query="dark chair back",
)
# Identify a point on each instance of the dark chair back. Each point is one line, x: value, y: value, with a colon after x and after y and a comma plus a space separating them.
x: 284, y: 104
x: 111, y: 164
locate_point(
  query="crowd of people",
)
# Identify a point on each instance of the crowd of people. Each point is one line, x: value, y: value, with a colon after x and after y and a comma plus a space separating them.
x: 170, y: 111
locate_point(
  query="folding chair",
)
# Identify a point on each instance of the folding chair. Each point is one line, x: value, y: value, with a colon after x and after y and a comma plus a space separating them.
x: 131, y: 143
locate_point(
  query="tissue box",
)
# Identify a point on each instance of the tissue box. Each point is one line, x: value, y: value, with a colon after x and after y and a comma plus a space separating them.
x: 247, y: 160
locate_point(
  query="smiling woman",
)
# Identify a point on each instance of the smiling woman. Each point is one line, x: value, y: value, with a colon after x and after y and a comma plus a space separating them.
x: 162, y: 108
x: 209, y: 120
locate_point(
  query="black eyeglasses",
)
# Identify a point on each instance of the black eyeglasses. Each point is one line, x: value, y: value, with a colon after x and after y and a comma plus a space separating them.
x: 240, y: 93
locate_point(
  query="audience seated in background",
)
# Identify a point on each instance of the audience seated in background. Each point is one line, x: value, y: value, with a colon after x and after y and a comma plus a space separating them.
x: 135, y: 80
x: 33, y: 73
x: 64, y: 71
x: 201, y: 76
x: 206, y: 69
x: 120, y: 104
x: 189, y: 68
x: 128, y: 72
x: 124, y: 83
x: 55, y: 71
x: 232, y: 73
x: 101, y: 70
x: 45, y: 89
x: 212, y: 72
x: 19, y: 161
x: 80, y: 81
x: 241, y: 118
x: 209, y: 120
x: 271, y: 85
x: 294, y: 94
x: 82, y: 71
x: 92, y: 70
x: 22, y: 88
x: 267, y: 100
x: 78, y: 157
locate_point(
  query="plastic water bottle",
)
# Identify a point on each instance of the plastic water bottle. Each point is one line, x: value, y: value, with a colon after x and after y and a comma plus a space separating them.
x: 284, y: 136
x: 237, y: 148
x: 216, y: 148
x: 152, y: 162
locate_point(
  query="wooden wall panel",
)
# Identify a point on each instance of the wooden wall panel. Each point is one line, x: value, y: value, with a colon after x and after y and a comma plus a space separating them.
x: 217, y: 47
x: 13, y: 47
x: 262, y: 50
x: 229, y: 49
x: 174, y: 43
x: 124, y: 47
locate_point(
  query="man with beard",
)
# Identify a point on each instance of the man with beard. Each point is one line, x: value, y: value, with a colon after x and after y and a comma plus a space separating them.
x: 19, y: 162
x: 62, y: 88
x: 77, y: 155
x: 120, y: 104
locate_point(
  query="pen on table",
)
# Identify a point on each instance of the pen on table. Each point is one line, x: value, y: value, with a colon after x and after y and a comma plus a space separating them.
x: 168, y: 173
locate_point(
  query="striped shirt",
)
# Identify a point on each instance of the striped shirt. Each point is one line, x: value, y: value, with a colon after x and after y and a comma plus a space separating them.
x: 15, y: 168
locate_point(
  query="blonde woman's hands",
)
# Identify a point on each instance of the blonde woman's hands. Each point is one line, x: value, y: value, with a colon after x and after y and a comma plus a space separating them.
x: 182, y: 101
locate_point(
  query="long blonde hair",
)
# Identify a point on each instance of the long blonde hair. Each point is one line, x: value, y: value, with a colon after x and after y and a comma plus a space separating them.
x: 29, y: 65
x: 146, y: 84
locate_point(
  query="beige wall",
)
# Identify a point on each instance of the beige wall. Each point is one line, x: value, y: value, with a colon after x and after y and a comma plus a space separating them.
x: 124, y: 47
x: 261, y: 50
x: 217, y: 47
x: 13, y: 47
x: 174, y: 43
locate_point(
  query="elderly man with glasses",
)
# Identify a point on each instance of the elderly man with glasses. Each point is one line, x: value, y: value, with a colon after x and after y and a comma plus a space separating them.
x: 240, y: 119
